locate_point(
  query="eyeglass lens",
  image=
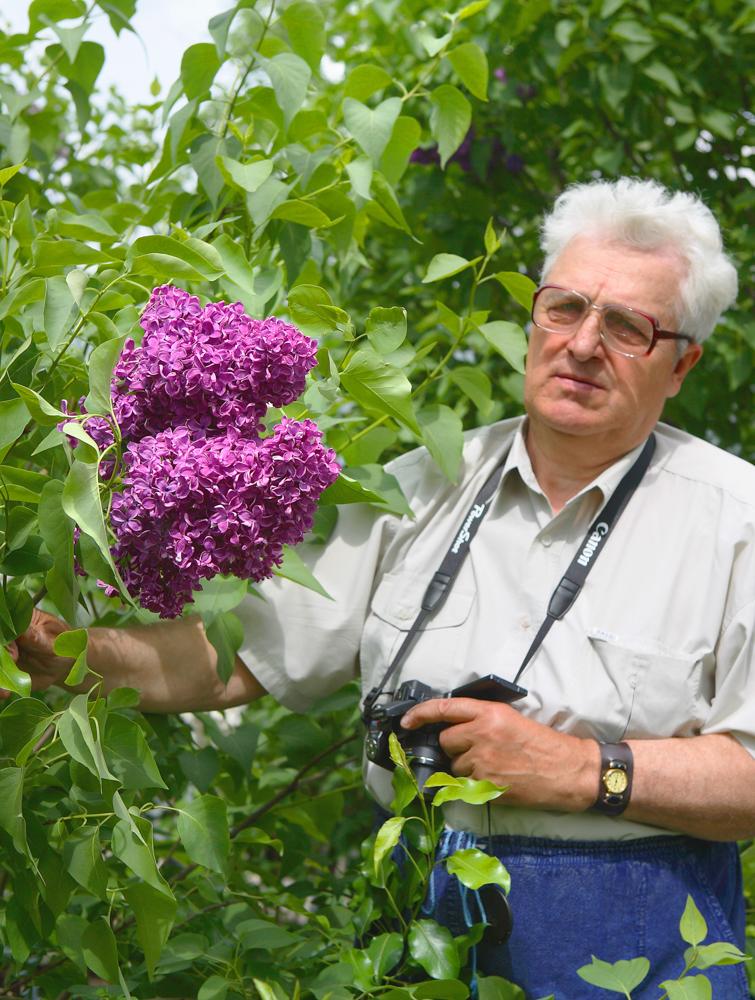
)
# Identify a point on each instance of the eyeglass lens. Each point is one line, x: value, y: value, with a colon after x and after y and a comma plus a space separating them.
x: 559, y: 311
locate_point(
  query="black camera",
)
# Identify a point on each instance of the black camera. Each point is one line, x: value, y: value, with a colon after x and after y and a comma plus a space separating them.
x: 422, y: 746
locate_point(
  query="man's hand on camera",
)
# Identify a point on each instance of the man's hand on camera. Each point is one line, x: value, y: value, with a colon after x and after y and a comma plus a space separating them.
x: 34, y: 651
x: 544, y: 769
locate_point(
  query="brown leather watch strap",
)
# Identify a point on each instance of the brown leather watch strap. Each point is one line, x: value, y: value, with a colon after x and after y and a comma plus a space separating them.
x: 615, y: 781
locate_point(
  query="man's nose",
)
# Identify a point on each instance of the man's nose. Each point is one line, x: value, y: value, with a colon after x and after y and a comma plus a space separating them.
x: 586, y: 340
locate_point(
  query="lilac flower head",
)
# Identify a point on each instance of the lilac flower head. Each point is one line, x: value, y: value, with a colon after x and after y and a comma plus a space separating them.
x: 206, y: 368
x: 195, y: 507
x: 202, y: 492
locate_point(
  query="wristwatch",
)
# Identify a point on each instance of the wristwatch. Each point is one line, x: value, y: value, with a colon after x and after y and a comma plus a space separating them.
x: 615, y: 784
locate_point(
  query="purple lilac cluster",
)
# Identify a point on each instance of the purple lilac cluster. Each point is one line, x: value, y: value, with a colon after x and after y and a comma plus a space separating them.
x: 196, y: 506
x: 208, y: 368
x: 202, y: 492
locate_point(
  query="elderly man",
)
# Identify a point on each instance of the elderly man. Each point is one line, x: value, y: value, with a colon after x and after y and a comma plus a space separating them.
x: 630, y: 756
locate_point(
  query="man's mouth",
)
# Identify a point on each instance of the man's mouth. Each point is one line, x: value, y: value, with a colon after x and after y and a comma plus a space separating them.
x: 577, y: 381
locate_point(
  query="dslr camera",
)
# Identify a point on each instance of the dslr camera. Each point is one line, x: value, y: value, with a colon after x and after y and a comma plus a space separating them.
x: 422, y: 746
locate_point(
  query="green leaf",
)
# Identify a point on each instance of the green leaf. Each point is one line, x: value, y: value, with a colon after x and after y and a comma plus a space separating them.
x: 495, y: 988
x: 155, y: 913
x: 719, y: 953
x: 404, y: 140
x: 302, y: 212
x: 14, y: 417
x: 305, y: 25
x: 190, y: 258
x: 688, y: 988
x: 226, y: 634
x: 294, y: 568
x: 386, y: 839
x: 131, y: 842
x: 432, y: 946
x: 474, y: 868
x: 263, y: 934
x: 76, y: 735
x: 348, y: 490
x: 8, y: 173
x: 221, y: 593
x: 128, y: 754
x: 446, y: 989
x: 618, y: 977
x: 469, y: 790
x: 692, y: 925
x: 373, y: 478
x: 214, y: 988
x: 12, y: 678
x: 443, y: 265
x: 372, y: 129
x: 203, y: 829
x: 508, y: 339
x: 60, y: 310
x: 11, y: 814
x: 385, y: 206
x: 52, y: 255
x: 519, y: 286
x: 313, y: 311
x: 385, y: 952
x: 290, y: 78
x: 199, y: 65
x: 245, y: 176
x: 470, y: 9
x: 100, y: 950
x: 363, y: 81
x: 30, y: 291
x: 450, y: 118
x: 379, y: 388
x: 43, y: 412
x: 662, y: 74
x: 56, y: 529
x: 443, y: 436
x: 473, y: 383
x: 398, y: 756
x: 73, y: 644
x: 386, y: 328
x: 471, y: 65
x: 82, y: 857
x: 102, y: 361
x: 360, y: 175
x: 81, y: 502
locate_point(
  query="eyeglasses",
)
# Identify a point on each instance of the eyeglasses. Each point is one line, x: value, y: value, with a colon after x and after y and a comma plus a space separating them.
x: 623, y: 330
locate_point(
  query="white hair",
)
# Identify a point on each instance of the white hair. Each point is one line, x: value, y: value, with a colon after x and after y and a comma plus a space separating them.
x: 645, y: 215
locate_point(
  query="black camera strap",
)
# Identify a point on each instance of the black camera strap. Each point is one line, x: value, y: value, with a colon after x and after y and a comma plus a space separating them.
x: 568, y: 588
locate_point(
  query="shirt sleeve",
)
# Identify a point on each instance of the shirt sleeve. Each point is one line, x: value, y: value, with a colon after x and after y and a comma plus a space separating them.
x: 733, y: 708
x: 300, y: 645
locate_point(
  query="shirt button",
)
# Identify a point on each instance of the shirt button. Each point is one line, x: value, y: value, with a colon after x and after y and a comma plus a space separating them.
x: 524, y: 622
x: 546, y: 540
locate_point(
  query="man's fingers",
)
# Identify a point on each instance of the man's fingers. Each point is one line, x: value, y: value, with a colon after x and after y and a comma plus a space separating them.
x: 447, y: 710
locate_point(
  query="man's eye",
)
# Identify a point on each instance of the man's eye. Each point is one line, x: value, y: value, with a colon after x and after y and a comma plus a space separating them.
x: 565, y: 311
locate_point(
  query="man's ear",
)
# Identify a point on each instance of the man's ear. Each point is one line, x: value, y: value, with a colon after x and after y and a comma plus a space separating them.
x: 684, y: 365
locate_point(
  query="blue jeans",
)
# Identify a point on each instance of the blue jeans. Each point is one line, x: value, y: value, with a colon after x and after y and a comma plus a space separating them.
x: 615, y: 900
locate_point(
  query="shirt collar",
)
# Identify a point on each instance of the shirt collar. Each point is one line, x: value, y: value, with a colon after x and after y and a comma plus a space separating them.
x: 518, y: 460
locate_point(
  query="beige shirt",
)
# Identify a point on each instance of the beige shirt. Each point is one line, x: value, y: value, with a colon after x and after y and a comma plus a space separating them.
x: 658, y: 644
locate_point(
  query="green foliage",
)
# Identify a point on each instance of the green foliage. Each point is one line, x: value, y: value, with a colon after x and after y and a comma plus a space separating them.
x: 170, y: 857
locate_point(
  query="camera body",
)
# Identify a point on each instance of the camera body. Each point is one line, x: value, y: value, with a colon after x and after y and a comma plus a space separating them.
x: 422, y: 746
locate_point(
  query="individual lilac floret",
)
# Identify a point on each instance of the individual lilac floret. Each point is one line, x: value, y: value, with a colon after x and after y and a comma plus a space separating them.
x: 195, y: 507
x: 208, y: 368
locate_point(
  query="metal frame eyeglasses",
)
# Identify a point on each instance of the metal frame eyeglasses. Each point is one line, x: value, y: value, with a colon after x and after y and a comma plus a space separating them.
x: 628, y: 323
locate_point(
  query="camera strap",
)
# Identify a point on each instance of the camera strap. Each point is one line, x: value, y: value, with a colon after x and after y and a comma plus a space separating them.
x: 568, y: 587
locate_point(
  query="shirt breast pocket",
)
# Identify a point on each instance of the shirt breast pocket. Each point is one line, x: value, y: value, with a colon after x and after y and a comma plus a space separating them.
x: 434, y: 657
x: 664, y: 692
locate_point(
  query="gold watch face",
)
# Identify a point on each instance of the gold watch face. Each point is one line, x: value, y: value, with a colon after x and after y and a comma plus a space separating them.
x: 615, y: 781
